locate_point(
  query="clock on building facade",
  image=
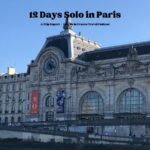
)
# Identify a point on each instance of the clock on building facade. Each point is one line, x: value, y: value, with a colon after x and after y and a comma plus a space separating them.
x: 50, y: 65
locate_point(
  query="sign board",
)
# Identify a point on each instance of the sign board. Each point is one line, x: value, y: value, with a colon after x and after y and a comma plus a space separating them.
x: 34, y: 102
x: 60, y: 101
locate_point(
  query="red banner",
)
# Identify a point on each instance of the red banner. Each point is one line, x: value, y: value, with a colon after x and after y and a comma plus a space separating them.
x: 34, y: 102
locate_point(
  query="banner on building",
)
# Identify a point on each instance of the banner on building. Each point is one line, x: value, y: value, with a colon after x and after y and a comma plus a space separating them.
x: 60, y: 101
x: 34, y: 102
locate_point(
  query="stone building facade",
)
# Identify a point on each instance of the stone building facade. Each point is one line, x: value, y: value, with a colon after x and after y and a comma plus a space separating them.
x: 74, y: 78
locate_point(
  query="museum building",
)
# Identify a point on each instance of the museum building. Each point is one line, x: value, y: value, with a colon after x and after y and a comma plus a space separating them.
x: 75, y: 78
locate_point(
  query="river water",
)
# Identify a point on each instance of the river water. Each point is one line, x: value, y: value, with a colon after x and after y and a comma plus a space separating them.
x: 32, y: 145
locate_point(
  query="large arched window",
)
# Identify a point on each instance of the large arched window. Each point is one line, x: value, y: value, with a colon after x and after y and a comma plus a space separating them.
x: 131, y: 101
x: 91, y: 103
x: 48, y: 101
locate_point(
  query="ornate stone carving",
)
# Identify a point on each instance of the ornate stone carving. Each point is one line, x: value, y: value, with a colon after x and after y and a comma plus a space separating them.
x: 49, y: 88
x: 133, y: 54
x: 35, y: 76
x: 91, y: 84
x: 131, y: 82
x: 74, y: 74
x: 92, y: 71
x: 87, y: 72
x: 120, y: 70
x: 130, y: 67
x: 61, y: 74
x: 40, y: 74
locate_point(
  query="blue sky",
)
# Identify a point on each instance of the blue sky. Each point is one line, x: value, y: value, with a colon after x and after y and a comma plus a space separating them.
x: 22, y: 37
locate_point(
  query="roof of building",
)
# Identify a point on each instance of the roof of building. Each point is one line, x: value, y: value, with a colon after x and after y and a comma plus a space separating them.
x: 115, y: 51
x: 59, y: 42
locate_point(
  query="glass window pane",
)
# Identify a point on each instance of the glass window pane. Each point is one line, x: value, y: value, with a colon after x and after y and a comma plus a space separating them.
x: 131, y: 101
x: 92, y: 103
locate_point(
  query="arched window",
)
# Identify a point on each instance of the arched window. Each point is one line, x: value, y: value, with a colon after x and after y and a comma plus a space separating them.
x: 13, y: 105
x: 6, y: 119
x: 12, y: 120
x: 91, y: 103
x: 48, y: 101
x: 19, y: 119
x: 7, y: 104
x: 131, y: 101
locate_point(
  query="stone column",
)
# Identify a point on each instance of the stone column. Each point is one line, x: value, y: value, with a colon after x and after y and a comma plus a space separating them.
x: 110, y: 100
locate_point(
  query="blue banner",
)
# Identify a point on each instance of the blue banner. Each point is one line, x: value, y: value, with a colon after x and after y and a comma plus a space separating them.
x: 60, y: 101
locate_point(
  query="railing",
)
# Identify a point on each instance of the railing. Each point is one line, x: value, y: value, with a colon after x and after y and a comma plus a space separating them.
x: 102, y: 122
x: 44, y: 131
x: 119, y: 139
x: 89, y: 138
